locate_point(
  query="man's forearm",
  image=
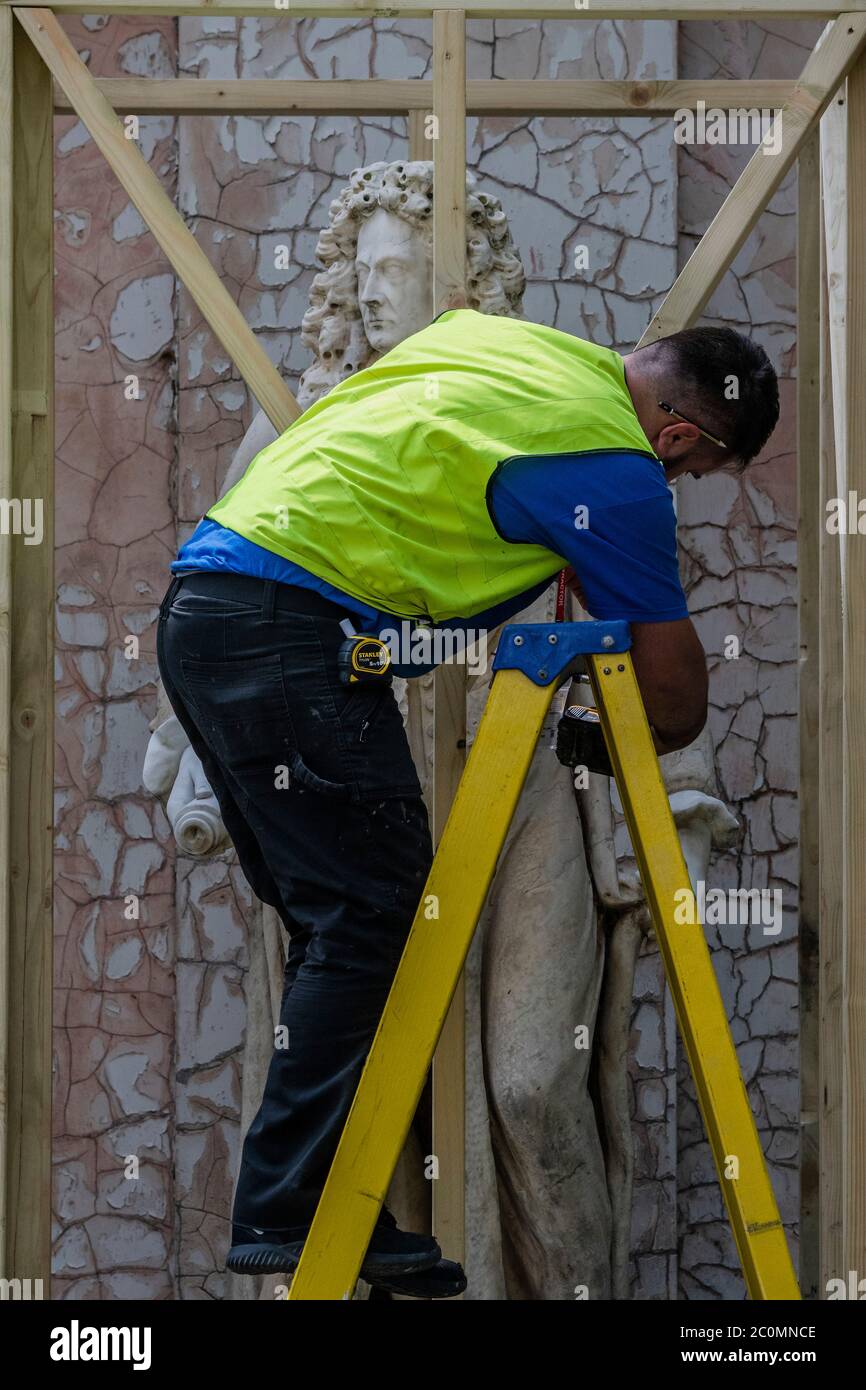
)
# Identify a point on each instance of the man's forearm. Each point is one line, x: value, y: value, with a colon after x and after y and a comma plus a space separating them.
x: 671, y: 670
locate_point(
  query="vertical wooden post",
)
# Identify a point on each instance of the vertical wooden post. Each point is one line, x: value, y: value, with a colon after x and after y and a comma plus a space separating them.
x: 809, y: 524
x: 449, y: 272
x: 830, y: 774
x: 31, y: 706
x: 842, y: 716
x: 419, y: 146
x: 853, y: 704
x: 6, y: 103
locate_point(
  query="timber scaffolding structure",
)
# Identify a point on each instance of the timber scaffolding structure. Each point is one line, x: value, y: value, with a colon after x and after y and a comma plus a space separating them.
x: 40, y: 74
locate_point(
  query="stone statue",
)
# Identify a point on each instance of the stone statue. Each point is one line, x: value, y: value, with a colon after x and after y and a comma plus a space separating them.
x: 549, y: 1167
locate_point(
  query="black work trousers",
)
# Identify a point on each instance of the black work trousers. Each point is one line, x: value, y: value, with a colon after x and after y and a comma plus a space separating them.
x: 319, y: 793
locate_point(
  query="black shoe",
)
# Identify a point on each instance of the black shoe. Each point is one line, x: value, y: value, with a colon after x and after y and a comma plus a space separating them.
x: 391, y: 1252
x: 443, y: 1280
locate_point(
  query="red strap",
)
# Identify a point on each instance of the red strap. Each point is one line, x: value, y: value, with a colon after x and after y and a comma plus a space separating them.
x: 560, y: 597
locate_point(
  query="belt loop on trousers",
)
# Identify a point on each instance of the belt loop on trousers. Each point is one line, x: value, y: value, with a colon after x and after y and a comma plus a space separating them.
x: 168, y: 599
x: 269, y: 600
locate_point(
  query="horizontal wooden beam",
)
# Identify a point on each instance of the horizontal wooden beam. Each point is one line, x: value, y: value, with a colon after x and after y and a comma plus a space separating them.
x: 372, y: 96
x: 841, y: 44
x: 165, y: 222
x: 475, y: 9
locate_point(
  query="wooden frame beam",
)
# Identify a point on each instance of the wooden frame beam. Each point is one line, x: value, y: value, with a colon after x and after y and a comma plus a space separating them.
x: 830, y: 769
x: 7, y: 1081
x: 27, y: 689
x: 809, y: 520
x: 449, y: 687
x: 842, y: 43
x: 165, y: 222
x: 192, y: 96
x: 475, y: 9
x: 853, y: 1003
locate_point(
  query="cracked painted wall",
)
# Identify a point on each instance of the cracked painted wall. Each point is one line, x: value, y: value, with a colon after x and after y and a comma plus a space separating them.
x: 114, y: 921
x: 739, y: 539
x: 150, y: 1015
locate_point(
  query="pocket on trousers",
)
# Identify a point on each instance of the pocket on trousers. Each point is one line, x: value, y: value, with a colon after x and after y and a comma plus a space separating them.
x: 231, y: 692
x: 306, y: 779
x: 245, y: 706
x: 210, y: 605
x: 359, y: 707
x: 377, y: 757
x: 237, y: 693
x: 243, y: 715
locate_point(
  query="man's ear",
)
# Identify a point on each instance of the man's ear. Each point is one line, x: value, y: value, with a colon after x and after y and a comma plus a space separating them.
x: 676, y: 440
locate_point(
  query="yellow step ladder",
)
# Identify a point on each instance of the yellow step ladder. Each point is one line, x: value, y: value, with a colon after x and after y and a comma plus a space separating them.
x: 532, y: 661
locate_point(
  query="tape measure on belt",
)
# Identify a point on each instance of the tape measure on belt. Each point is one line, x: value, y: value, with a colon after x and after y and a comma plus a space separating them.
x: 364, y: 658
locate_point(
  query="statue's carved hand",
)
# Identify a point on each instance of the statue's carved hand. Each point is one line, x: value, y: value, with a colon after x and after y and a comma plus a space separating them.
x: 173, y: 772
x: 163, y: 755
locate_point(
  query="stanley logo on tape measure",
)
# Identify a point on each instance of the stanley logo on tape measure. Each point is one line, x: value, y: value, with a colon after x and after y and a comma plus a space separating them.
x: 364, y: 658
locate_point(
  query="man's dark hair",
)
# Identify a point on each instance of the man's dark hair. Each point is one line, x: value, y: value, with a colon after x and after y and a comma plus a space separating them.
x: 722, y: 381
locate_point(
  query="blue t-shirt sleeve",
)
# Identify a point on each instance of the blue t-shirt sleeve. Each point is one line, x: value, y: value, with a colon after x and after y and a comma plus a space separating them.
x: 610, y: 516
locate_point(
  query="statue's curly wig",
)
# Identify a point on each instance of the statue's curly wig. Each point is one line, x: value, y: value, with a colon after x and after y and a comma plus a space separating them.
x: 332, y: 327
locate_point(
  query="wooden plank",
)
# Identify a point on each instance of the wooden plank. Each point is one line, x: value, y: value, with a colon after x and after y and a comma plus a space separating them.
x: 854, y: 706
x: 419, y: 146
x: 712, y: 256
x: 449, y: 160
x: 808, y: 532
x: 166, y: 224
x: 373, y: 96
x: 28, y: 704
x: 830, y: 779
x: 834, y: 177
x: 475, y: 9
x: 6, y: 541
x: 30, y: 402
x: 449, y: 717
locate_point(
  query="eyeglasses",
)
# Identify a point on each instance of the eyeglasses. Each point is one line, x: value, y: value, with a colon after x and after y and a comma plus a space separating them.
x: 669, y: 410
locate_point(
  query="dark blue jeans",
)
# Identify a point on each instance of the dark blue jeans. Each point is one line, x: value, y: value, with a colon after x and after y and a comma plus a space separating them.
x: 319, y: 793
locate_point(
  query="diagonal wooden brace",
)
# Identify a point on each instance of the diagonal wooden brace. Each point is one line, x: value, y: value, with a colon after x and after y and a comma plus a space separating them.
x: 842, y: 42
x: 165, y: 222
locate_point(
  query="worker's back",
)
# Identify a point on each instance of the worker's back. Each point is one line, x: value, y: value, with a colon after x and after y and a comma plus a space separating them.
x: 380, y: 487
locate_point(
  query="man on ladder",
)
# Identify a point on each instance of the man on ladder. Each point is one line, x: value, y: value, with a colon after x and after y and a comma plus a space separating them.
x: 444, y: 485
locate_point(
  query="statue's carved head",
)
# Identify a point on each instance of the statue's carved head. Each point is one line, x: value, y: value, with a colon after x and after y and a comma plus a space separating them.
x: 377, y: 251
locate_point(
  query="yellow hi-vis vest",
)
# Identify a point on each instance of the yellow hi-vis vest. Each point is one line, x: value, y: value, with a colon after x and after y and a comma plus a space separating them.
x: 380, y: 488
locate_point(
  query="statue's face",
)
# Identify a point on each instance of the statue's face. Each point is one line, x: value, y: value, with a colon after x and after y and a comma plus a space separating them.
x: 395, y: 288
